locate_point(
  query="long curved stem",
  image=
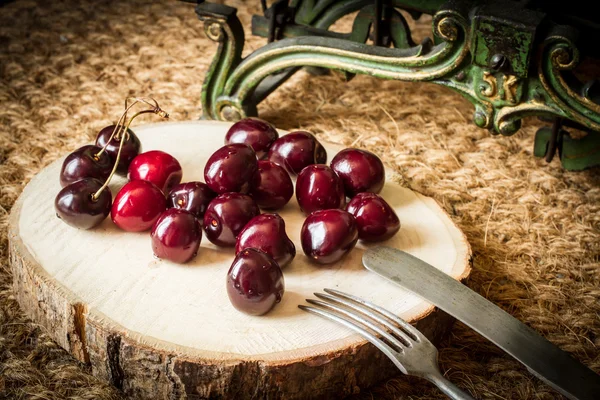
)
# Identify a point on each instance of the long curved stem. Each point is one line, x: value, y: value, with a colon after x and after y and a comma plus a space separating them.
x: 118, y: 127
x: 156, y: 110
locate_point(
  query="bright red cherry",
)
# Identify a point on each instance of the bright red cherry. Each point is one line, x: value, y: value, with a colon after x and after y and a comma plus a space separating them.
x: 254, y: 132
x: 327, y: 235
x: 76, y: 206
x: 254, y: 282
x: 273, y: 187
x: 296, y: 150
x: 360, y: 171
x: 176, y: 236
x: 319, y: 188
x: 226, y: 216
x: 266, y: 232
x: 191, y: 196
x: 137, y: 206
x: 375, y: 219
x: 232, y: 168
x: 158, y: 167
x: 85, y: 163
x: 131, y: 147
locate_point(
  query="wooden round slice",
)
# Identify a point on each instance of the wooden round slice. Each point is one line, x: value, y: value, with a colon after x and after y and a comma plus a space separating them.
x: 161, y: 330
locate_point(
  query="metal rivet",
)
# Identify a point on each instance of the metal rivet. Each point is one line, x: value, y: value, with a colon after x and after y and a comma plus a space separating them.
x: 498, y: 62
x: 213, y: 31
x: 480, y: 119
x: 229, y: 113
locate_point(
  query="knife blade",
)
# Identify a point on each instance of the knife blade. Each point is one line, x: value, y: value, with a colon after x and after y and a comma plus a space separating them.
x: 543, y: 359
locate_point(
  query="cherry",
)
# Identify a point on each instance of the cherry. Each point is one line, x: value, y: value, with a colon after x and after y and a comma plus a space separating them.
x: 226, y: 216
x: 232, y: 168
x: 273, y: 187
x: 297, y: 150
x: 360, y: 171
x: 375, y: 219
x: 131, y: 146
x: 137, y: 206
x: 254, y: 282
x: 254, y: 132
x: 176, y: 236
x: 85, y: 162
x: 77, y: 205
x: 319, y: 188
x: 266, y: 232
x: 191, y: 196
x: 158, y: 167
x: 327, y: 235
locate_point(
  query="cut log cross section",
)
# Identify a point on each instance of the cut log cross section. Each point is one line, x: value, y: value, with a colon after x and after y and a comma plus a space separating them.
x: 160, y: 330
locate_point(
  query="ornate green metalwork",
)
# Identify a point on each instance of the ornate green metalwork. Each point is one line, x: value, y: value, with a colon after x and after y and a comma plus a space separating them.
x: 486, y: 53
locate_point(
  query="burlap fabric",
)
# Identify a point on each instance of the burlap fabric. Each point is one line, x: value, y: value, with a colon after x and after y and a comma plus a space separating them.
x: 66, y: 66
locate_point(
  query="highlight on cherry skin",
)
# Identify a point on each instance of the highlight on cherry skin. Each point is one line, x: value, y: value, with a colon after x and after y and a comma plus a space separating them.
x: 130, y: 149
x: 359, y: 170
x: 191, y: 196
x: 375, y: 218
x: 319, y: 188
x: 328, y: 235
x: 297, y: 150
x: 254, y: 282
x: 85, y: 162
x: 78, y: 205
x: 226, y: 216
x: 176, y: 236
x: 232, y: 168
x: 273, y: 187
x: 266, y: 232
x: 255, y: 132
x: 137, y: 206
x: 157, y: 167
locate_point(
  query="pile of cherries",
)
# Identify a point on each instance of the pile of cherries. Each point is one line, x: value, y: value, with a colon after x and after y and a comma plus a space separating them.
x: 251, y: 172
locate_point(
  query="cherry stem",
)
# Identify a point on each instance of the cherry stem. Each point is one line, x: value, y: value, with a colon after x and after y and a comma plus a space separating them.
x: 116, y: 133
x: 118, y: 127
x: 156, y: 110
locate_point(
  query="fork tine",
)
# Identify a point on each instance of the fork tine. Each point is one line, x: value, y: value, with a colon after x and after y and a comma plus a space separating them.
x: 380, y: 344
x: 413, y: 332
x: 393, y: 342
x: 405, y: 338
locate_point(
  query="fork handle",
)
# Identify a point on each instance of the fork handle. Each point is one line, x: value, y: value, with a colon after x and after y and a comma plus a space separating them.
x: 447, y: 387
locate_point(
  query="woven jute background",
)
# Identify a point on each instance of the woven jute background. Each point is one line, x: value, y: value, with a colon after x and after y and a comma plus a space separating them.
x: 66, y: 67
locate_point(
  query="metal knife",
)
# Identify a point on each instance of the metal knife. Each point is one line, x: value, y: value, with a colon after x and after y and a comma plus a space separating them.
x: 543, y: 359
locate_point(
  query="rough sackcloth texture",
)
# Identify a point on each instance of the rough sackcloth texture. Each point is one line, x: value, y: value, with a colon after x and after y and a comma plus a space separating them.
x: 67, y: 66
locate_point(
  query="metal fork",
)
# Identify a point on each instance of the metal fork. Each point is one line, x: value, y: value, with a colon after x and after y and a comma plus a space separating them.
x: 405, y: 345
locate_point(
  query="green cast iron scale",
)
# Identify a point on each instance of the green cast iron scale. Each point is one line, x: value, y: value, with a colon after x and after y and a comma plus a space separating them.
x: 511, y: 59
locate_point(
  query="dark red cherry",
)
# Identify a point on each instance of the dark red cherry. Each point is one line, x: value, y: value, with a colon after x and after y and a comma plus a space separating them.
x: 375, y: 219
x: 85, y: 163
x: 319, y: 188
x: 75, y: 205
x: 137, y: 206
x: 296, y: 150
x: 131, y: 148
x: 191, y: 196
x: 266, y: 232
x: 176, y: 236
x: 273, y: 187
x: 158, y: 167
x: 360, y: 171
x: 232, y: 168
x: 254, y: 132
x: 226, y: 216
x: 254, y: 282
x: 327, y: 235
